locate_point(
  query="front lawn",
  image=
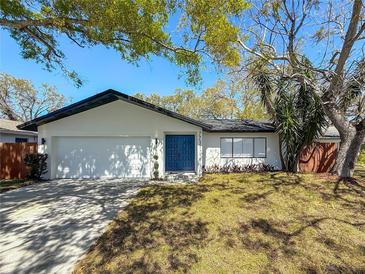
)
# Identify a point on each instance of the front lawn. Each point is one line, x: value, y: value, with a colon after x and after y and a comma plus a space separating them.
x: 359, y: 173
x: 237, y: 223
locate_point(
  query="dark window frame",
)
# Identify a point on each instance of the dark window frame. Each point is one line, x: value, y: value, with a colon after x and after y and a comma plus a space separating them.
x: 243, y: 157
x: 19, y: 140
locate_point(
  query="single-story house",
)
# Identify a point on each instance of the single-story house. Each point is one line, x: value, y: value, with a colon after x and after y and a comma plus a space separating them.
x: 9, y: 133
x: 112, y: 134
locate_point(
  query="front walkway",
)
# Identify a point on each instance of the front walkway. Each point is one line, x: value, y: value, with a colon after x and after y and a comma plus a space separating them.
x: 46, y: 227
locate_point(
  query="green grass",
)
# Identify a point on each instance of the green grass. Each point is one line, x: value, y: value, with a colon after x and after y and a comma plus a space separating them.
x: 6, y: 185
x: 361, y: 159
x: 237, y: 223
x: 359, y: 172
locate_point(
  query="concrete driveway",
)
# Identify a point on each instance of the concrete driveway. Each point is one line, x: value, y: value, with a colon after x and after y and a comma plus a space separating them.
x: 46, y: 227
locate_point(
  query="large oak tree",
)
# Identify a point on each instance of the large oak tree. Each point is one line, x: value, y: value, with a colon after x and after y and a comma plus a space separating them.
x: 320, y: 46
x: 182, y: 31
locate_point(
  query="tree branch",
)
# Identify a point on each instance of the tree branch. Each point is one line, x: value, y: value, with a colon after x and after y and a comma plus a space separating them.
x: 346, y: 48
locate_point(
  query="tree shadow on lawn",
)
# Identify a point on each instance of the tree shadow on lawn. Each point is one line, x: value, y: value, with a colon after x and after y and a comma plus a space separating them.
x: 158, y: 232
x: 148, y: 224
x: 44, y: 227
x: 350, y: 193
x: 286, y: 246
x: 253, y: 233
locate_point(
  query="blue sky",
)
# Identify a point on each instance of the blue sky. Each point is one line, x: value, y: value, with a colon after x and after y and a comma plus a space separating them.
x: 100, y: 68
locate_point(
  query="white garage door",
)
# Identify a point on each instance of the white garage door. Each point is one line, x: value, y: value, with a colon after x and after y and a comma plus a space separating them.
x: 98, y: 157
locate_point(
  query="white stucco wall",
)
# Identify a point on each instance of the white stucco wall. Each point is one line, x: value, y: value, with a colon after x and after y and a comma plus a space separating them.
x: 123, y: 119
x: 212, y: 152
x: 10, y: 138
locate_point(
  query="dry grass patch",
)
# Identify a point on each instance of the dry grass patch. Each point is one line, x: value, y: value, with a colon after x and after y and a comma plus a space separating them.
x: 6, y: 185
x: 237, y: 223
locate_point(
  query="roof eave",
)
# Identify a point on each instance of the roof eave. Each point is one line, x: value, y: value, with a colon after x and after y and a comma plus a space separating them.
x: 161, y: 110
x: 99, y: 99
x: 239, y: 131
x: 18, y: 132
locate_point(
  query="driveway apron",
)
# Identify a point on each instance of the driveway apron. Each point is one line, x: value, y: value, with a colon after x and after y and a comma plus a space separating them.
x: 46, y: 227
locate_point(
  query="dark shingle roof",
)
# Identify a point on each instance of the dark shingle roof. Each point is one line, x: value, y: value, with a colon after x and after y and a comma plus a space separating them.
x: 99, y: 99
x: 108, y: 96
x: 236, y: 125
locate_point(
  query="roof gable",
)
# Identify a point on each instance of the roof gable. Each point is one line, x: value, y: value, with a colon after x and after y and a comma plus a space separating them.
x: 100, y: 99
x: 110, y: 95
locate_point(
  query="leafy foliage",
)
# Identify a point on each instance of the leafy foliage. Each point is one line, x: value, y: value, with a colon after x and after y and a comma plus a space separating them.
x: 20, y: 100
x: 38, y: 165
x: 318, y: 44
x: 352, y: 103
x: 226, y: 99
x: 297, y: 113
x: 136, y: 29
x: 156, y: 165
x: 235, y: 168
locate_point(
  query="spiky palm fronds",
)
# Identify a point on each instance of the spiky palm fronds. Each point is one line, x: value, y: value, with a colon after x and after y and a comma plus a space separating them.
x: 300, y: 119
x: 287, y: 126
x: 296, y: 112
x: 264, y: 82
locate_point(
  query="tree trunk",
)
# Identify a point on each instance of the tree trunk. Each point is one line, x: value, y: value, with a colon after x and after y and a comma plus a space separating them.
x: 351, y: 139
x: 9, y: 114
x: 297, y: 158
x: 345, y: 143
x: 353, y: 150
x: 283, y: 163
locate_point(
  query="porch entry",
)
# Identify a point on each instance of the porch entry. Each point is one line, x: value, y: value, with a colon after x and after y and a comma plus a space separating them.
x: 180, y: 153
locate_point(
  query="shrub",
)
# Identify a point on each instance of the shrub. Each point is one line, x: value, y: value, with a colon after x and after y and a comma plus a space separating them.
x: 234, y: 168
x: 156, y: 165
x: 38, y: 165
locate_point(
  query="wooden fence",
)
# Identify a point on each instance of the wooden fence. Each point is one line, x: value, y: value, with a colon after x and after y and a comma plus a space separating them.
x: 319, y: 157
x: 12, y: 159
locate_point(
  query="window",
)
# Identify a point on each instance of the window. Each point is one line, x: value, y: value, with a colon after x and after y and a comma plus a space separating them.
x: 260, y: 147
x: 243, y: 147
x: 226, y: 147
x: 247, y: 147
x: 21, y: 140
x: 237, y: 147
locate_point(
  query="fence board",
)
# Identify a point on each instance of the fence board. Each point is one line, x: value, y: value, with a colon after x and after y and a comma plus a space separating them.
x: 319, y: 157
x: 12, y: 159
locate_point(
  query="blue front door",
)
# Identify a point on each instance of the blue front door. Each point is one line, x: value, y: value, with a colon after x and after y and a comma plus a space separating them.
x: 180, y: 153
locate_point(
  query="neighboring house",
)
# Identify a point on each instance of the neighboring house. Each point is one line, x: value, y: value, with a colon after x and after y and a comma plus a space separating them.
x: 112, y: 134
x: 9, y: 133
x: 331, y: 135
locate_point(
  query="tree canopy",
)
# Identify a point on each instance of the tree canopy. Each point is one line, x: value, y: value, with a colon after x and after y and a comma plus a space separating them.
x: 318, y: 45
x: 181, y: 31
x: 224, y: 100
x: 21, y: 101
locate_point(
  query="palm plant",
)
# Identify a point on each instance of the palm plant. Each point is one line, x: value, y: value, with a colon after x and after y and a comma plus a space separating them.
x: 297, y: 114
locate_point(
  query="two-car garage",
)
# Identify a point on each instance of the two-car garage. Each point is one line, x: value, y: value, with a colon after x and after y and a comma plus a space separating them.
x: 113, y: 135
x: 99, y: 156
